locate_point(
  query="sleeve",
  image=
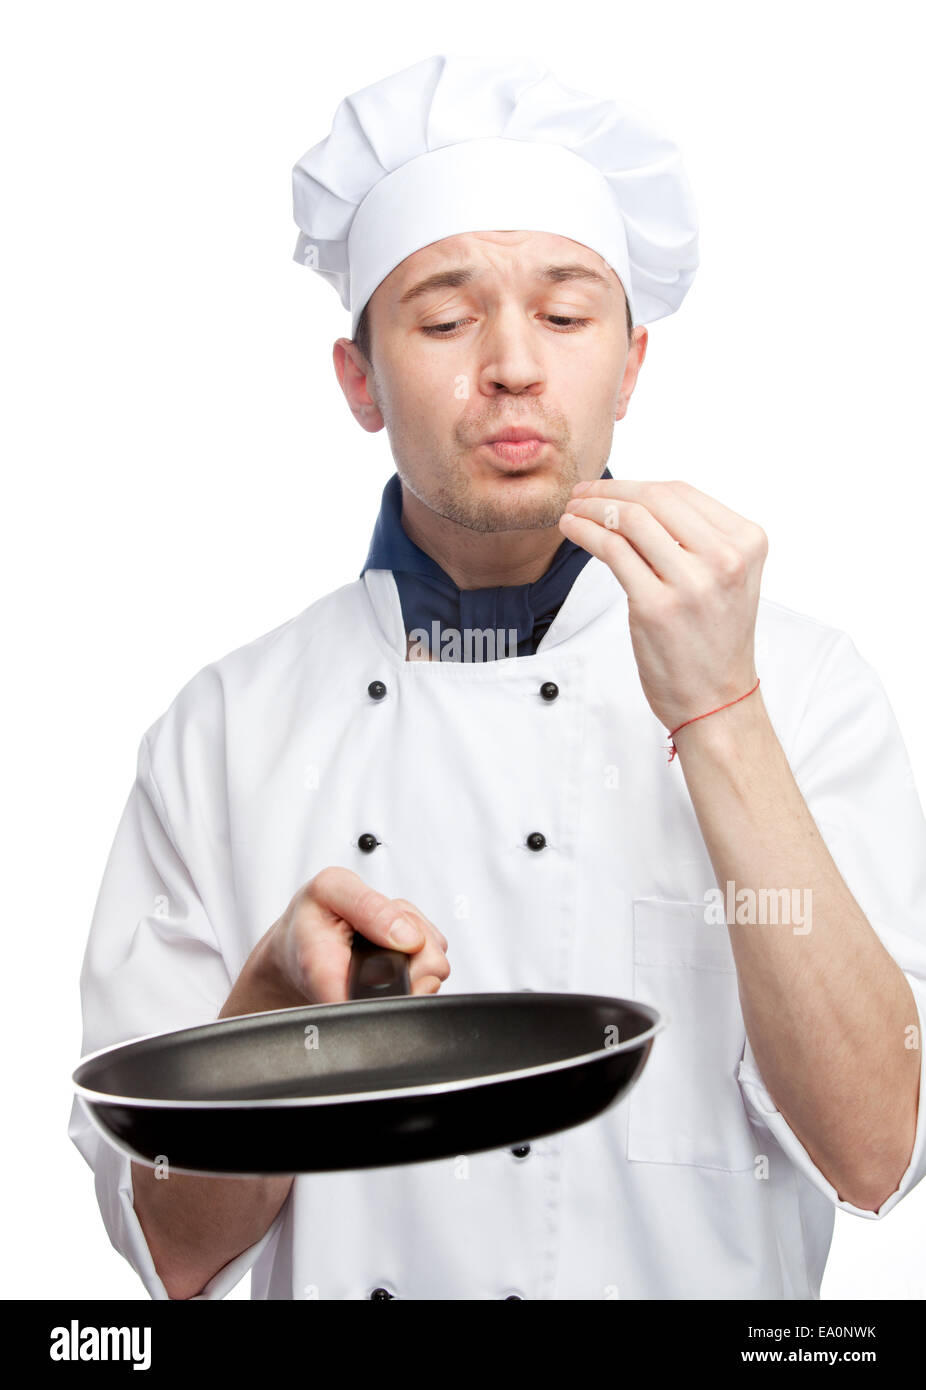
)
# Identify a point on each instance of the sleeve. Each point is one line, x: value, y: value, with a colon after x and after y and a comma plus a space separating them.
x: 152, y: 964
x: 853, y: 770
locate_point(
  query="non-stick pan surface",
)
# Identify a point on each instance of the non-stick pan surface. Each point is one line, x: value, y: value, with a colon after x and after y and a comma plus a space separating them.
x: 369, y: 1083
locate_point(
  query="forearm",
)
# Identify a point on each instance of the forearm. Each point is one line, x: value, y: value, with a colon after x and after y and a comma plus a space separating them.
x: 827, y: 1009
x: 195, y: 1225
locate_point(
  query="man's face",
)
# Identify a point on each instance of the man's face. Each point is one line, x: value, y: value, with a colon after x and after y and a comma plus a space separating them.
x: 485, y: 331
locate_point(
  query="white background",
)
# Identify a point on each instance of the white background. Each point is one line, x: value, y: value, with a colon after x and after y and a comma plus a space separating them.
x: 182, y: 473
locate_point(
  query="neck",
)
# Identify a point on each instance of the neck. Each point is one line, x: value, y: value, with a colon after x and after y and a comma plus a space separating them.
x: 477, y: 559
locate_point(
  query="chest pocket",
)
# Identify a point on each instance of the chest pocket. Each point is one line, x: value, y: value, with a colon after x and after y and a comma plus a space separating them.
x: 687, y: 1106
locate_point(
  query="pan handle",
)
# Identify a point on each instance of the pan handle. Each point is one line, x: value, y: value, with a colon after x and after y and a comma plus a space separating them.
x: 376, y: 972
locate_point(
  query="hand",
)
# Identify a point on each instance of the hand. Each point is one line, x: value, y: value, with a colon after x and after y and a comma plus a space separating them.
x: 305, y: 956
x: 691, y: 569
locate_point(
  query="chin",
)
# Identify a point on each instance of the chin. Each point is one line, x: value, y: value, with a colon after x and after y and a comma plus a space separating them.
x: 521, y: 507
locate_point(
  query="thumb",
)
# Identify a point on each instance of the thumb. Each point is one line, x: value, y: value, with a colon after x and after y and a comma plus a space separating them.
x: 376, y: 917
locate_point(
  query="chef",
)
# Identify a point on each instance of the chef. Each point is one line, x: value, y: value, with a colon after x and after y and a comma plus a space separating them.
x: 552, y: 726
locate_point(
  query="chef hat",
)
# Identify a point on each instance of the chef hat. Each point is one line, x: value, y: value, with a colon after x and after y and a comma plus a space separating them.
x: 462, y: 144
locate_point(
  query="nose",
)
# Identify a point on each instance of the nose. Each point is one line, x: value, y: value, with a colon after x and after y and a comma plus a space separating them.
x: 511, y: 357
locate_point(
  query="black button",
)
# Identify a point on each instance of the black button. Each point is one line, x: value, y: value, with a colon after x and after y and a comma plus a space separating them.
x: 511, y: 1296
x: 367, y: 843
x: 549, y: 690
x: 381, y: 1293
x: 535, y: 840
x: 376, y: 690
x: 521, y: 1151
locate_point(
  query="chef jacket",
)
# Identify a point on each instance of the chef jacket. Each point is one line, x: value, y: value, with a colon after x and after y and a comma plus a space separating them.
x: 291, y: 752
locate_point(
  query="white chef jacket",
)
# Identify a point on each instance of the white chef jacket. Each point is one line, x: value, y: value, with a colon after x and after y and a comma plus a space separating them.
x: 271, y: 763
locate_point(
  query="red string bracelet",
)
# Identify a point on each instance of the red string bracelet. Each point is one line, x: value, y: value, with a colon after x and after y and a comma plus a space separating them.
x: 704, y: 716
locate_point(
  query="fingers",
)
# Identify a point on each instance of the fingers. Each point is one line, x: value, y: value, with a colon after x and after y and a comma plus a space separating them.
x: 429, y: 967
x: 655, y: 495
x: 325, y: 914
x: 636, y: 525
x: 430, y: 984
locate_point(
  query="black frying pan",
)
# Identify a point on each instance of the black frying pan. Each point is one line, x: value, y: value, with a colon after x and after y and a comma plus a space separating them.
x: 383, y: 1079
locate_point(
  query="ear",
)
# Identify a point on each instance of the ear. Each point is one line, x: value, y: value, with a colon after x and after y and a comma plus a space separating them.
x: 632, y: 369
x: 355, y: 377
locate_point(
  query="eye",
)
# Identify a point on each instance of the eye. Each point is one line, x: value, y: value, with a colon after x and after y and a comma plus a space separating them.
x: 439, y: 330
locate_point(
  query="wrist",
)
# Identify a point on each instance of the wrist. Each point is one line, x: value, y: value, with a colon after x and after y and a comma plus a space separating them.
x: 732, y: 730
x: 262, y: 984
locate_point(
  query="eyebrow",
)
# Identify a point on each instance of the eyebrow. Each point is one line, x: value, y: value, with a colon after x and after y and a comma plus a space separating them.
x: 465, y: 274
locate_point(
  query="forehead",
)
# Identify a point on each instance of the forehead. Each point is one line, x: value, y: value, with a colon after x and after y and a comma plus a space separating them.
x: 526, y: 253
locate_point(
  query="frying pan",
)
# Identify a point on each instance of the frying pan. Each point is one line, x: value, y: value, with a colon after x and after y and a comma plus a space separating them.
x: 385, y: 1078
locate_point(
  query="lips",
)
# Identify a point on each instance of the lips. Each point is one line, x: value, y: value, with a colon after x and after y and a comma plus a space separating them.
x: 517, y: 452
x: 515, y: 435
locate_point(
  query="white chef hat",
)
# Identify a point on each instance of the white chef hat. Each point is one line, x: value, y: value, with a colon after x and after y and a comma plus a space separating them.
x: 462, y: 144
